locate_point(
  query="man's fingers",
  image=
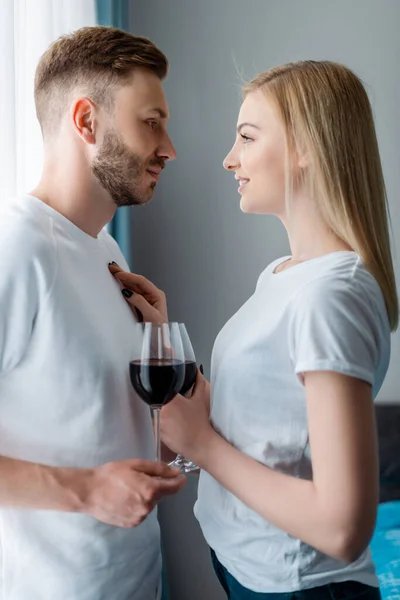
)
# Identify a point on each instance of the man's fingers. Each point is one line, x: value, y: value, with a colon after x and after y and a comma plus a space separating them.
x: 156, y: 469
x: 167, y: 487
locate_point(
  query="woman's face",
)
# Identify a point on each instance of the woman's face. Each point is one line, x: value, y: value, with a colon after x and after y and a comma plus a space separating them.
x: 258, y: 156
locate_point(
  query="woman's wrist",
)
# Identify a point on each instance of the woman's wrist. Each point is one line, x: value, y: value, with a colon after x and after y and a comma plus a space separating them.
x: 206, y: 448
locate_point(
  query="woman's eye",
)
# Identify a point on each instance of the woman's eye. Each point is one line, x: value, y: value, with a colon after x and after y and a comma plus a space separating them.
x: 245, y: 138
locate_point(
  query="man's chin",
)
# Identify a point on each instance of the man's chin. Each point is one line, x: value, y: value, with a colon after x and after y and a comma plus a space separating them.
x: 145, y: 195
x: 149, y: 194
x: 136, y: 200
x: 146, y: 198
x: 143, y: 200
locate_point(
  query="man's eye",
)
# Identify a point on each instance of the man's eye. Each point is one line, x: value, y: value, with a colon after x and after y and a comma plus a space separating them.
x: 245, y: 138
x: 152, y: 124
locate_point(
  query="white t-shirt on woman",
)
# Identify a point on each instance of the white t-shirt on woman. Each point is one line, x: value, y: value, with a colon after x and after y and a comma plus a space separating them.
x: 324, y: 314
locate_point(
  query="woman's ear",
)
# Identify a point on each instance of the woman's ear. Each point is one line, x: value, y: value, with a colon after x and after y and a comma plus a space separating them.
x: 302, y: 160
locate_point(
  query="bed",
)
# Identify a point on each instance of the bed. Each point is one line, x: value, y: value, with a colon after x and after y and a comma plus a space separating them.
x: 385, y: 543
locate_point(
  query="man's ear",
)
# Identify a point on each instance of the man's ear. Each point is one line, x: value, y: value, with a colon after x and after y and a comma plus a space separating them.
x: 84, y: 119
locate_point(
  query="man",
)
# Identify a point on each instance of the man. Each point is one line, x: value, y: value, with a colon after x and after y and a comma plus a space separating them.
x: 77, y: 482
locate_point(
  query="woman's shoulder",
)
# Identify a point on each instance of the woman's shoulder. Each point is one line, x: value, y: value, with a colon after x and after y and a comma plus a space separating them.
x: 343, y: 288
x: 343, y: 275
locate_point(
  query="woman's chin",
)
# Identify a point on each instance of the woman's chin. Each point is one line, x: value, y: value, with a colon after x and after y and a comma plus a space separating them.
x: 260, y: 207
x: 247, y: 206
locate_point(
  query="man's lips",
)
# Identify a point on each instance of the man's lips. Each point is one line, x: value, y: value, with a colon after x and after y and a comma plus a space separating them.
x: 155, y: 172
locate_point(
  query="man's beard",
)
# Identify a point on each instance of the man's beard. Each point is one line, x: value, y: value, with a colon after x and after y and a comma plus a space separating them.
x: 119, y: 172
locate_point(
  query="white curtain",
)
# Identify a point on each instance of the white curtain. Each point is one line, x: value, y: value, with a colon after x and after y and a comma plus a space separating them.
x: 27, y: 27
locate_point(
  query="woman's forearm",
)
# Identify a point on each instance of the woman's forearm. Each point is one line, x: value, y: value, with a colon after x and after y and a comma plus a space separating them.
x: 293, y: 505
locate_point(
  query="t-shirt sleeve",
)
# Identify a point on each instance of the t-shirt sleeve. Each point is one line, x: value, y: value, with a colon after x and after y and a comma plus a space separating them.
x: 23, y: 266
x: 333, y: 327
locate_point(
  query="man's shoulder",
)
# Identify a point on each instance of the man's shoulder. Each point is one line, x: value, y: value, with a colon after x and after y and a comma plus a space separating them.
x: 25, y: 232
x: 20, y: 217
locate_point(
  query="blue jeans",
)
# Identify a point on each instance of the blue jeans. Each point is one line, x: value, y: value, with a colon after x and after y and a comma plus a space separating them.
x: 348, y: 590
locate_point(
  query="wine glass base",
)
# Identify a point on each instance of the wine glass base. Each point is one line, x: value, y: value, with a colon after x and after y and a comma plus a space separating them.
x: 184, y: 464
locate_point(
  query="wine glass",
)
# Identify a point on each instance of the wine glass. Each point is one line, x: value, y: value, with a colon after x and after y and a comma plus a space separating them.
x: 158, y: 373
x: 184, y: 464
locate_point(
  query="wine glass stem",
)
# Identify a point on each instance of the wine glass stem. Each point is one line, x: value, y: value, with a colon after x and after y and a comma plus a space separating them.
x: 156, y: 414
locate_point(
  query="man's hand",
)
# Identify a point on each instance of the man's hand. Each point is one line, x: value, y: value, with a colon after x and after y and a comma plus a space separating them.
x: 124, y: 493
x: 146, y: 300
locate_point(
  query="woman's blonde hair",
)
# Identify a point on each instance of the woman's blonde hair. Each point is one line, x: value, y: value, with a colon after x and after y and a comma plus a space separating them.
x: 328, y: 117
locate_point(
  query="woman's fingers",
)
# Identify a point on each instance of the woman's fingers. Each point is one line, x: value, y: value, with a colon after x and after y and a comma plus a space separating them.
x: 114, y: 268
x: 138, y: 284
x: 200, y: 379
x: 146, y: 312
x: 134, y: 282
x: 202, y: 388
x: 145, y: 296
x: 127, y: 295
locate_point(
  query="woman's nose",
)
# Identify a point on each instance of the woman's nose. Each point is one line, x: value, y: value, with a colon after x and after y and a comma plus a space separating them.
x: 230, y: 163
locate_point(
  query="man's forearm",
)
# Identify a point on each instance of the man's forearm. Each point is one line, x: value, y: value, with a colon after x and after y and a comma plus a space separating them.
x: 30, y: 485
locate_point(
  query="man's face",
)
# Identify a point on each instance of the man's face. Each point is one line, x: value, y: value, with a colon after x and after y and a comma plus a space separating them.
x: 136, y: 146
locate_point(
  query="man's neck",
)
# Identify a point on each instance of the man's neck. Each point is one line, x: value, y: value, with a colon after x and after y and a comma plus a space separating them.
x: 78, y: 199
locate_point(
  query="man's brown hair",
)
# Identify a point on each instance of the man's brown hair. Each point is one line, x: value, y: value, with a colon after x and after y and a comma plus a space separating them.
x: 95, y: 60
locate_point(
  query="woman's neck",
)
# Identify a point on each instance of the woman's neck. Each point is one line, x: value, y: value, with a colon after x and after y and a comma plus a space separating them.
x: 309, y: 235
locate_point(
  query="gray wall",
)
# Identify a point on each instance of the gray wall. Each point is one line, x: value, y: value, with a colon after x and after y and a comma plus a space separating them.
x: 193, y: 241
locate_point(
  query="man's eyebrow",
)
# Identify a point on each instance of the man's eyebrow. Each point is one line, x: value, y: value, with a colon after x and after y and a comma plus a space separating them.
x: 160, y: 112
x: 239, y: 127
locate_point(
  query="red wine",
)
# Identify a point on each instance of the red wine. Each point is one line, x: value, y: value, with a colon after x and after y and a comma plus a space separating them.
x: 157, y: 381
x: 190, y: 376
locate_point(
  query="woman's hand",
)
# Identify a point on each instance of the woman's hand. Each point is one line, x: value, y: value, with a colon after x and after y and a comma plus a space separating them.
x: 185, y: 424
x: 147, y: 302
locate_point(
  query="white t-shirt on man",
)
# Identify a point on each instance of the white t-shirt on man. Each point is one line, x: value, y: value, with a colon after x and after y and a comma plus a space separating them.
x: 324, y: 314
x: 66, y: 339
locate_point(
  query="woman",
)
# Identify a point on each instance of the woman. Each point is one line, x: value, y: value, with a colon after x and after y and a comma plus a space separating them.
x: 289, y: 485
